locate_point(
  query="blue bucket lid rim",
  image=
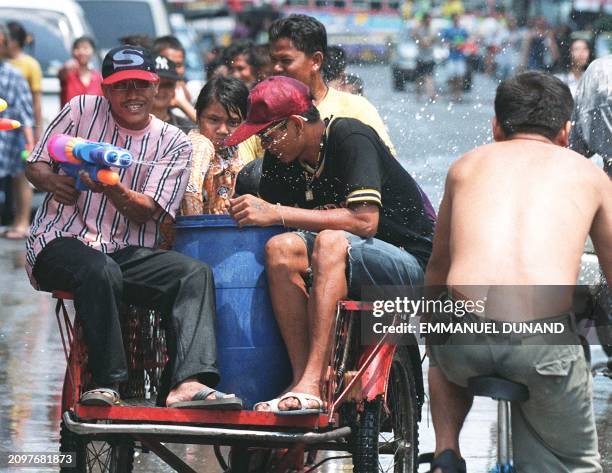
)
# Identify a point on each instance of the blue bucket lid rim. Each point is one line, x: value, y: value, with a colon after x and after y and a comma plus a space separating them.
x: 191, y: 221
x: 207, y: 221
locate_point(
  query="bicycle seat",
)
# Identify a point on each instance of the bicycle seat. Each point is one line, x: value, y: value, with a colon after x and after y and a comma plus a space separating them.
x: 498, y: 388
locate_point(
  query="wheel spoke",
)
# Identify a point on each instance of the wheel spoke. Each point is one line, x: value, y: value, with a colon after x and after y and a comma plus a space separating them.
x: 396, y: 442
x: 99, y: 456
x: 108, y: 458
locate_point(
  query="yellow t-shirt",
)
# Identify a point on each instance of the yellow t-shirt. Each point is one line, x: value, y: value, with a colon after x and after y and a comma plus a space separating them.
x: 251, y: 149
x: 30, y: 70
x: 343, y: 104
x: 452, y: 7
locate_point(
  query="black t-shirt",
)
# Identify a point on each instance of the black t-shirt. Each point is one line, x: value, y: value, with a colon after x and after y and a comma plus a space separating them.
x: 357, y: 166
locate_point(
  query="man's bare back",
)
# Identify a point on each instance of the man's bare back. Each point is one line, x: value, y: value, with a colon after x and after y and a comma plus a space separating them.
x: 511, y: 228
x: 517, y: 213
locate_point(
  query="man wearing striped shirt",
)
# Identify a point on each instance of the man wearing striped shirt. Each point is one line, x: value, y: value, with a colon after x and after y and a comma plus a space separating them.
x: 99, y: 243
x: 362, y: 220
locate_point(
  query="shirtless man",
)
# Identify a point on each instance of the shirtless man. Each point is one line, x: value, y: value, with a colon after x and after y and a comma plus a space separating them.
x: 517, y: 212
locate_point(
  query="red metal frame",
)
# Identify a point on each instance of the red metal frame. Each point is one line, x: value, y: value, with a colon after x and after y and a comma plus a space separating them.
x: 376, y: 369
x: 199, y: 416
x: 374, y: 363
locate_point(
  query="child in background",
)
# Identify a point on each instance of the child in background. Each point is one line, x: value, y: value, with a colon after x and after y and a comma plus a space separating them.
x: 76, y: 76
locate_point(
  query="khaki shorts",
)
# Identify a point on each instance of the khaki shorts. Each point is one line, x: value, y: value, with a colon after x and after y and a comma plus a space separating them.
x: 554, y: 431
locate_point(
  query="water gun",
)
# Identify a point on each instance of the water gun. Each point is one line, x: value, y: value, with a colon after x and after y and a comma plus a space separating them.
x: 7, y: 123
x: 96, y: 159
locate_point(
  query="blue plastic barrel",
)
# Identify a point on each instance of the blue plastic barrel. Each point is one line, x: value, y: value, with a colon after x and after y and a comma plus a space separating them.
x: 252, y: 357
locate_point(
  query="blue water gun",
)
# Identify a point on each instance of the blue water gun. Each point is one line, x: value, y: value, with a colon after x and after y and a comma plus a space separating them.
x: 95, y: 158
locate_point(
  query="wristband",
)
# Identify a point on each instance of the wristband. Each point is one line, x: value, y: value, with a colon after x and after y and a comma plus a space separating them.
x: 281, y: 214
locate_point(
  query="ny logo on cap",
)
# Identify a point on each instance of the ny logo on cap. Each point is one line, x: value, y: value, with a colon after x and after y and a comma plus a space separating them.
x: 161, y: 63
x: 127, y: 58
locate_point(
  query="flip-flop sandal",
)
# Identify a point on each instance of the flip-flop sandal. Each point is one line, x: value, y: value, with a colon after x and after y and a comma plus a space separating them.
x: 100, y: 397
x: 199, y: 401
x: 449, y: 462
x: 302, y: 397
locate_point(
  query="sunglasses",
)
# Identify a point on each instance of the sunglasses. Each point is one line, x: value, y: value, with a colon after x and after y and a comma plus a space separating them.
x: 137, y: 84
x: 265, y: 135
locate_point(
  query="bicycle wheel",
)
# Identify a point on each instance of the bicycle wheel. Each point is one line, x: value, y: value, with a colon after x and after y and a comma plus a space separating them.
x: 97, y: 456
x: 389, y: 442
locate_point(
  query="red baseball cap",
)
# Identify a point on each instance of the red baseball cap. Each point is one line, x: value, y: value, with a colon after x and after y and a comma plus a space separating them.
x: 272, y: 100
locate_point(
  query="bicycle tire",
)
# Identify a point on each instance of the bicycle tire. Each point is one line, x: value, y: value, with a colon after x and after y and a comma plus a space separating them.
x: 402, y: 421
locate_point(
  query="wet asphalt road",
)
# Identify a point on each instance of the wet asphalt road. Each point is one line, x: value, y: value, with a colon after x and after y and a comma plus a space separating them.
x: 428, y: 138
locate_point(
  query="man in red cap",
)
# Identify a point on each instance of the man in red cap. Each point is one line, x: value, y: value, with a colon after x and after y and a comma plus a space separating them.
x: 99, y: 244
x: 363, y: 221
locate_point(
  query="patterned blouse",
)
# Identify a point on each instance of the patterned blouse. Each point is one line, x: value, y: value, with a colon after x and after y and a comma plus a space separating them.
x: 213, y: 177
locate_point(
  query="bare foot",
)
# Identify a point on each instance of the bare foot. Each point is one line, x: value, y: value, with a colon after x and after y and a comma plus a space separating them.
x: 185, y: 391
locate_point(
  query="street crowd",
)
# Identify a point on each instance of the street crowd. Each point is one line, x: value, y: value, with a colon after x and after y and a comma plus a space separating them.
x: 498, y: 47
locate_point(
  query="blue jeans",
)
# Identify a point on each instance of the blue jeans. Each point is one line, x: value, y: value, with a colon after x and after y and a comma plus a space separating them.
x: 372, y: 262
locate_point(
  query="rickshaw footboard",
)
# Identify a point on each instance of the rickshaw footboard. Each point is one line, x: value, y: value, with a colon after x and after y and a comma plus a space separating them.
x: 218, y: 434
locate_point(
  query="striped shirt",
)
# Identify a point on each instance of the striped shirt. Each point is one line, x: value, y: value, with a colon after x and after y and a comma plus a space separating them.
x: 162, y: 155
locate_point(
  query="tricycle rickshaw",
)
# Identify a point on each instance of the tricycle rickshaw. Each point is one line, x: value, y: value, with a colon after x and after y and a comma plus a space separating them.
x: 373, y: 394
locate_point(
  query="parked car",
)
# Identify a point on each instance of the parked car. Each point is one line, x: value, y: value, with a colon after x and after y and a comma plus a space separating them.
x: 54, y: 26
x: 194, y: 66
x: 113, y: 19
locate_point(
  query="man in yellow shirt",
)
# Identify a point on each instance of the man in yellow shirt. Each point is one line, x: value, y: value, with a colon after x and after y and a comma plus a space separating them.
x: 298, y: 46
x: 29, y: 68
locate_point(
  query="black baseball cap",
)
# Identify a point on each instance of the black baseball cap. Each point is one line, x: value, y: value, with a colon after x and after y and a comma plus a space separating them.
x: 166, y: 68
x: 128, y: 62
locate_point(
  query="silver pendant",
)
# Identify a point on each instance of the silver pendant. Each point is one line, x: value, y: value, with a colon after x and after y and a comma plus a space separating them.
x: 309, y: 195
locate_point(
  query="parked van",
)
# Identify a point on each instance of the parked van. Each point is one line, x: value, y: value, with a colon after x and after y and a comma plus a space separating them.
x: 113, y: 19
x: 54, y: 26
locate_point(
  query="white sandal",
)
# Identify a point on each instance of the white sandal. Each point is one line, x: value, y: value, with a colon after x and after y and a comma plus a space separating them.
x: 304, y: 398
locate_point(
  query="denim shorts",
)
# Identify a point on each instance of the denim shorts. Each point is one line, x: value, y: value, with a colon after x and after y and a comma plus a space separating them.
x: 372, y: 262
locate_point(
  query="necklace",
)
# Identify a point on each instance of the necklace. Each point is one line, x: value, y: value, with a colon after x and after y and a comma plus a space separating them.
x: 309, y: 172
